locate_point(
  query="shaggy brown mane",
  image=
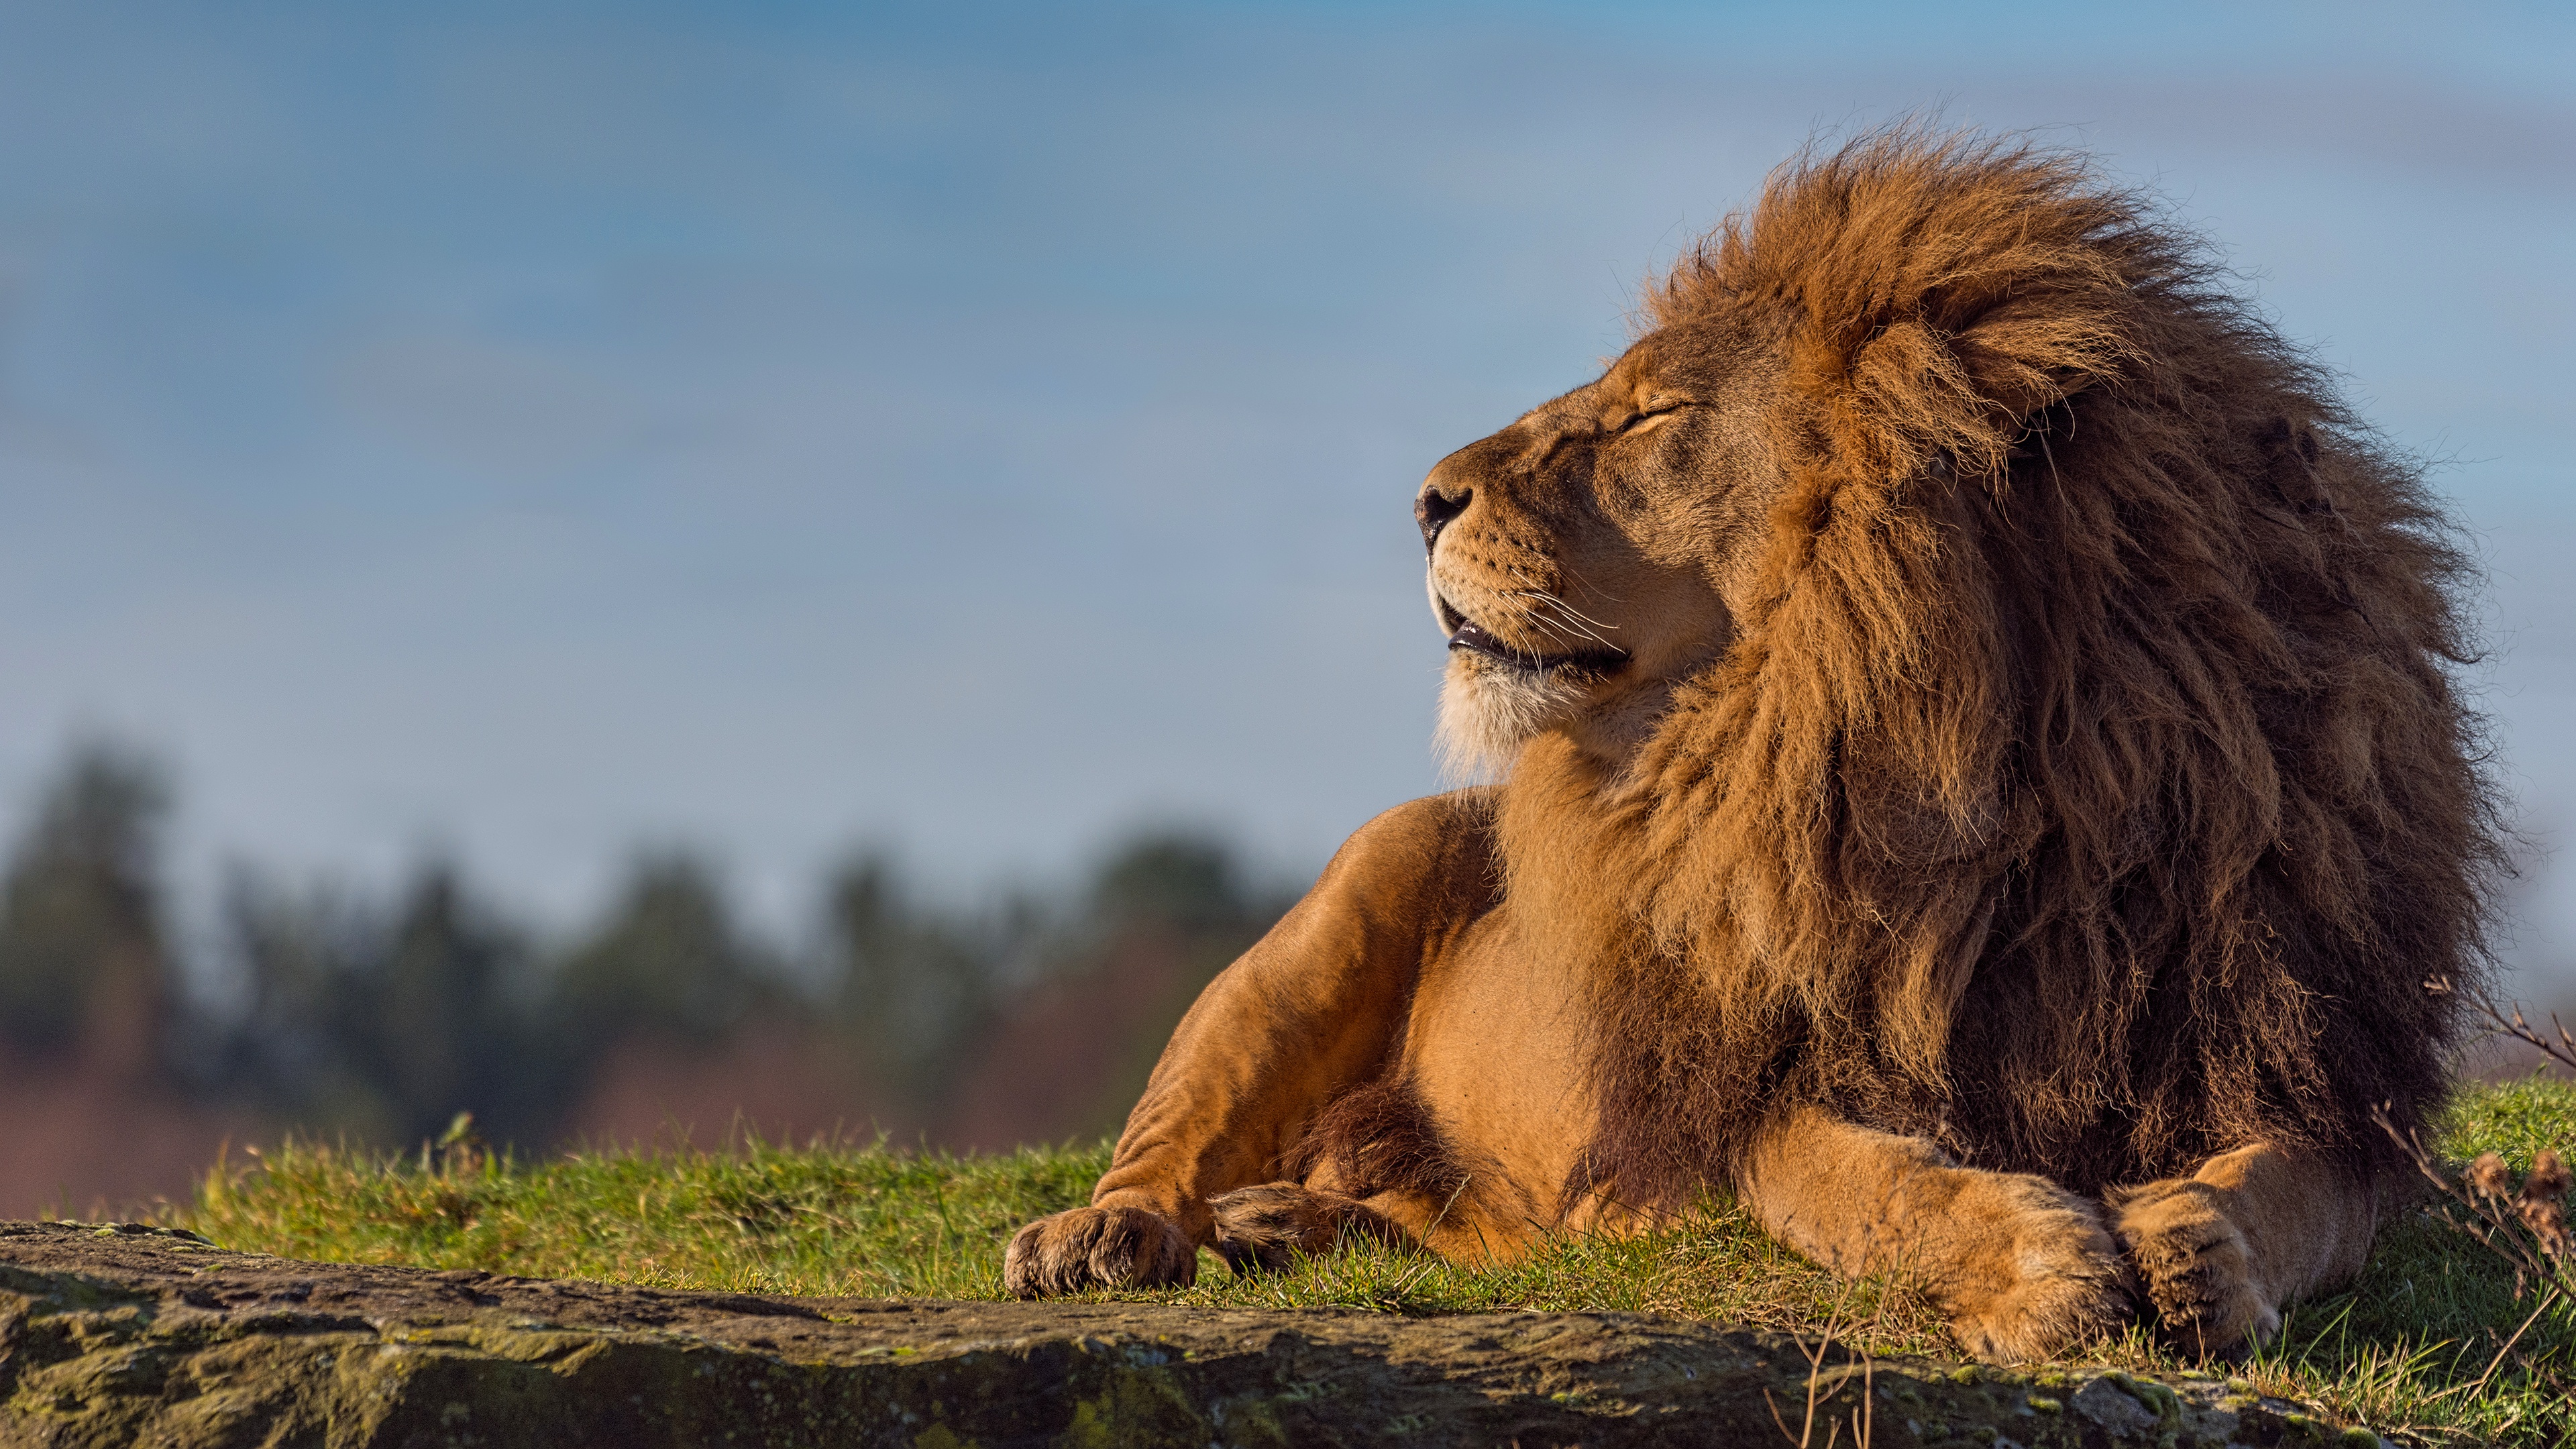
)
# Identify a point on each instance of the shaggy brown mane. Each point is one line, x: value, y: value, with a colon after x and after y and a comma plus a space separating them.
x: 2086, y: 789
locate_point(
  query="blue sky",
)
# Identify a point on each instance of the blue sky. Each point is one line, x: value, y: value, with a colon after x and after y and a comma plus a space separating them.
x: 535, y: 430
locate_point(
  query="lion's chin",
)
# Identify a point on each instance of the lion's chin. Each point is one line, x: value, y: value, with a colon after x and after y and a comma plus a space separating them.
x: 1488, y: 710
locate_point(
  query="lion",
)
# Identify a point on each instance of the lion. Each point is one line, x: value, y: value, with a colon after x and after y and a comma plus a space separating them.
x: 1972, y: 772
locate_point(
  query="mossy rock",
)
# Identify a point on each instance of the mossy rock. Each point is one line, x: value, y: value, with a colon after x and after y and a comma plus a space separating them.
x: 138, y: 1336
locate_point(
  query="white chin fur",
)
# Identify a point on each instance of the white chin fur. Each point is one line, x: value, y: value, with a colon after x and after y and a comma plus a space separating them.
x: 1489, y: 710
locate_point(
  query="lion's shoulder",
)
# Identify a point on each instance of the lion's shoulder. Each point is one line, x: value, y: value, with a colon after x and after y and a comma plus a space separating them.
x: 1425, y: 864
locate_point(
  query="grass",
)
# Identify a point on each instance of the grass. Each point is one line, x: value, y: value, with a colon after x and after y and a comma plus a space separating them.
x: 2414, y: 1346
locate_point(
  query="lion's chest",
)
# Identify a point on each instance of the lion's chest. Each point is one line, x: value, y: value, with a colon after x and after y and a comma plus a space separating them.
x: 1494, y: 1046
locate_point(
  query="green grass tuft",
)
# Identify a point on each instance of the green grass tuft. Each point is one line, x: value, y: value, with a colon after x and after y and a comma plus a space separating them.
x: 2406, y: 1348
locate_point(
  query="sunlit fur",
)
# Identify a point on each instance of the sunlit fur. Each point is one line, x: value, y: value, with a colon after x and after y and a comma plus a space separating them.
x: 1488, y: 711
x: 2084, y: 787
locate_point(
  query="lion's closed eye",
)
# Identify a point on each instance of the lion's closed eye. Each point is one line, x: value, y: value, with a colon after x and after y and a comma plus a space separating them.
x: 1647, y: 418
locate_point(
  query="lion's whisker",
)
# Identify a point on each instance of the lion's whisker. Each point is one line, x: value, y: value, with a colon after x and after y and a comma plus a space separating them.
x: 1571, y: 612
x: 1553, y: 626
x: 1574, y: 577
x: 1569, y: 623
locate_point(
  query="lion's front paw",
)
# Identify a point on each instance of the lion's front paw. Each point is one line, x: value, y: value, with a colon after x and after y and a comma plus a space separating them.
x: 2196, y: 1267
x: 1091, y: 1247
x: 2036, y: 1273
x: 1265, y: 1228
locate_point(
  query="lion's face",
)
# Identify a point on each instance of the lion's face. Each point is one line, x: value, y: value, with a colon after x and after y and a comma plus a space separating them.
x: 1596, y: 552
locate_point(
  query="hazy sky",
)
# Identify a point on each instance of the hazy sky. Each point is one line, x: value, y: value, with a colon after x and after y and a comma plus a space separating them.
x: 532, y: 430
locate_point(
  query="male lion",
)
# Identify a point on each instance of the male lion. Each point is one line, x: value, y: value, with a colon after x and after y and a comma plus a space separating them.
x: 1978, y: 780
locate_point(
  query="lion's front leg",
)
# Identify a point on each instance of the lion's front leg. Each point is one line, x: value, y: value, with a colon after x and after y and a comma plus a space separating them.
x: 2222, y: 1251
x: 1306, y: 1016
x: 1266, y: 1228
x: 2024, y: 1268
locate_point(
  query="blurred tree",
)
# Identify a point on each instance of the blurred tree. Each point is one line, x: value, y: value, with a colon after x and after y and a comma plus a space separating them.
x: 301, y: 1048
x: 908, y: 988
x: 84, y: 973
x: 669, y: 963
x: 449, y: 1032
x: 1178, y: 880
x: 1069, y: 1052
x: 385, y: 1024
x: 1170, y: 909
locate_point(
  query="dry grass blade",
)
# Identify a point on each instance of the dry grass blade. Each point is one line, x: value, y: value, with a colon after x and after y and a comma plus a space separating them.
x: 1863, y: 1419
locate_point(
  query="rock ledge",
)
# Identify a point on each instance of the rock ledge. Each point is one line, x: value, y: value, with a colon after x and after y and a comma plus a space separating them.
x: 125, y: 1334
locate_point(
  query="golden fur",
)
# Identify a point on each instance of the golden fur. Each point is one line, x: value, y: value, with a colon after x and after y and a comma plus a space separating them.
x: 1974, y: 733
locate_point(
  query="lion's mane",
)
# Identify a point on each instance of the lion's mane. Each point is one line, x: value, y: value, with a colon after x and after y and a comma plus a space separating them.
x: 2087, y: 788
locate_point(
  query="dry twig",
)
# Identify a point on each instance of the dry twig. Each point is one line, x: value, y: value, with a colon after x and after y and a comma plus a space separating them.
x: 1864, y: 1417
x: 2509, y: 1022
x: 2524, y: 1223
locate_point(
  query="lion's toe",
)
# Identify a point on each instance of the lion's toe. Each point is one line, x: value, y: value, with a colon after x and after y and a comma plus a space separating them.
x: 2195, y: 1267
x: 1090, y: 1247
x: 2044, y: 1316
x: 2046, y: 1276
x: 1266, y: 1228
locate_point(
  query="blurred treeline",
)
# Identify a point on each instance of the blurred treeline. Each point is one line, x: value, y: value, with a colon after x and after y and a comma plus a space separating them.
x: 378, y: 1017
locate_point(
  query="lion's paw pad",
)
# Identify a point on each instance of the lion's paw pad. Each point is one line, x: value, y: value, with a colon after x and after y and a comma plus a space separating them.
x: 2049, y: 1280
x: 2195, y: 1266
x: 1090, y: 1247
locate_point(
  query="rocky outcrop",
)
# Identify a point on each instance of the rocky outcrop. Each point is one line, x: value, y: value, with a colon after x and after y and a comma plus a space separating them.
x: 128, y: 1335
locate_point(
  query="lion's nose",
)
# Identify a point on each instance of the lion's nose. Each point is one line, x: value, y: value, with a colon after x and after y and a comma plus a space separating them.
x: 1433, y: 509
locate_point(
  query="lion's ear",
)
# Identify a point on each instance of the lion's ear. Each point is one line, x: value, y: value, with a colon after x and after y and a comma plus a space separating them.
x: 1963, y: 373
x: 2030, y: 352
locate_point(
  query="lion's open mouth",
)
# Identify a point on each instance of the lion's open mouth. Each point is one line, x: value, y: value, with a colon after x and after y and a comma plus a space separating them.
x: 1471, y: 635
